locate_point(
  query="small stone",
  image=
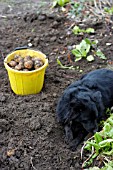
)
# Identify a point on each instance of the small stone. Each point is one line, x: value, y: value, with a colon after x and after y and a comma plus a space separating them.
x: 10, y: 152
x: 53, y: 39
x: 1, y: 130
x: 93, y: 66
x: 54, y: 94
x: 108, y: 44
x: 72, y: 168
x: 3, y: 124
x: 69, y: 33
x: 60, y: 18
x: 51, y: 16
x: 2, y: 98
x: 74, y: 46
x: 35, y: 123
x: 36, y: 40
x: 69, y: 47
x: 18, y: 153
x: 30, y: 44
x: 55, y: 24
x: 42, y: 17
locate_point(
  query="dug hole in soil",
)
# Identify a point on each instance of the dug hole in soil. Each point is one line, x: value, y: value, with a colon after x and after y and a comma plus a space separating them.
x: 30, y: 137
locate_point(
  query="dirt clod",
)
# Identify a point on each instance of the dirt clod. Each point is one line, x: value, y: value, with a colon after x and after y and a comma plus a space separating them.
x: 35, y: 123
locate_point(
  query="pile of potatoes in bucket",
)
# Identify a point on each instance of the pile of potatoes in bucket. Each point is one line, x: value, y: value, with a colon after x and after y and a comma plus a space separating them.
x: 27, y: 63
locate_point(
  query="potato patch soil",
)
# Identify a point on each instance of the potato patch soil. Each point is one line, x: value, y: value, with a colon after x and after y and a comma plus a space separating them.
x: 30, y: 136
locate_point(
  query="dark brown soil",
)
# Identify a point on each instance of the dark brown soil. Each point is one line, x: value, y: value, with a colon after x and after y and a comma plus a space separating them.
x: 30, y: 137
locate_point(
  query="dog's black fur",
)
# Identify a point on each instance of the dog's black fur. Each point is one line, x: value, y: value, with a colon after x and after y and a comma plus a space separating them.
x: 83, y: 104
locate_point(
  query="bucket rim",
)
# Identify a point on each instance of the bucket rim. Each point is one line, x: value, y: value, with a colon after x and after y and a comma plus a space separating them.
x: 26, y: 72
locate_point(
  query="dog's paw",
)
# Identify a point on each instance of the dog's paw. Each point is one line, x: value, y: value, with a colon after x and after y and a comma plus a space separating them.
x: 73, y: 144
x: 68, y: 133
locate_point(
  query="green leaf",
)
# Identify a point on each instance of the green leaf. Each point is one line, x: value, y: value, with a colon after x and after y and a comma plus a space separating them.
x: 106, y: 127
x: 62, y: 2
x: 105, y: 143
x: 90, y: 161
x: 102, y: 145
x: 54, y: 3
x: 78, y: 58
x: 88, y: 41
x: 65, y: 67
x: 88, y: 147
x: 77, y: 54
x: 96, y: 146
x: 94, y: 42
x: 85, y: 47
x: 108, y: 152
x: 82, y: 49
x: 59, y: 62
x: 90, y: 58
x: 90, y: 30
x: 109, y: 10
x: 76, y: 30
x: 110, y: 121
x: 98, y: 137
x: 100, y: 54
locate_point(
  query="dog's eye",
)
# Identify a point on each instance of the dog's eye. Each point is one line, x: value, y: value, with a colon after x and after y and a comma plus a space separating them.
x: 79, y: 110
x: 84, y: 121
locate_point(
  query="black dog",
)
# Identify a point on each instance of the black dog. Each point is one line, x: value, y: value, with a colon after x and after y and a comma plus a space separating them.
x: 83, y: 105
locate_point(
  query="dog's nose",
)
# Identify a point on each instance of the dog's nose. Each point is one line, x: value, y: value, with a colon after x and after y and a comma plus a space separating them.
x: 95, y: 130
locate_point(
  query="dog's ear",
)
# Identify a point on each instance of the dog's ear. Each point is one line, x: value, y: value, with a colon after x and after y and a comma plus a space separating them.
x: 73, y: 102
x: 63, y: 106
x: 90, y: 84
x: 97, y: 98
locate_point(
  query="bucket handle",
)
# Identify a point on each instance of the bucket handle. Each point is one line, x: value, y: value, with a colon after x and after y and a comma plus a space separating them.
x: 23, y: 48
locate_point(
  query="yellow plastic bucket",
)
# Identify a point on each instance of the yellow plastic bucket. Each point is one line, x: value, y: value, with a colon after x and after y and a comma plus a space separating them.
x: 22, y: 82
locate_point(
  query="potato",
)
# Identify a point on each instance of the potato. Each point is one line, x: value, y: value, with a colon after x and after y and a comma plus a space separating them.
x: 17, y: 58
x: 25, y: 69
x: 39, y: 63
x: 27, y: 58
x: 21, y: 61
x: 25, y: 64
x: 18, y: 67
x: 12, y: 63
x: 34, y: 58
x: 21, y: 65
x: 28, y: 64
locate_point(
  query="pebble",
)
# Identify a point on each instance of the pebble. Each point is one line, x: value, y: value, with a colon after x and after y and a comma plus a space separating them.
x: 55, y: 24
x: 35, y: 123
x: 74, y: 46
x: 3, y: 123
x: 69, y: 47
x: 1, y: 130
x: 2, y: 98
x: 54, y: 94
x: 72, y: 168
x: 42, y: 17
x: 51, y: 16
x: 36, y: 40
x: 53, y: 39
x: 30, y: 44
x: 18, y: 154
x: 59, y: 18
x: 69, y: 33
